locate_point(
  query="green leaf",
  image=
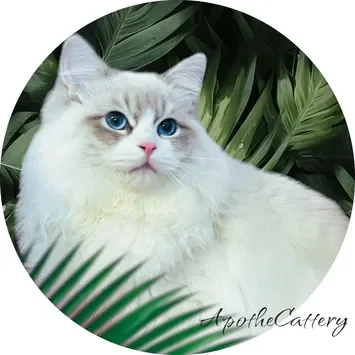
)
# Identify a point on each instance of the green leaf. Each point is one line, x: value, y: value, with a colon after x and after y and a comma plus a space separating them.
x: 27, y: 126
x: 142, y: 316
x: 286, y: 168
x: 42, y: 80
x: 24, y: 255
x: 232, y: 101
x: 241, y: 142
x: 278, y: 125
x: 347, y: 206
x: 42, y: 262
x: 259, y: 155
x: 217, y: 41
x: 215, y: 15
x: 13, y: 156
x: 317, y: 136
x: 118, y: 306
x: 245, y: 28
x: 54, y: 276
x: 125, y: 36
x: 65, y: 288
x: 9, y: 214
x: 103, y: 296
x: 16, y: 122
x: 206, y: 103
x: 278, y: 154
x: 145, y: 339
x: 154, y: 53
x: 311, y: 115
x: 285, y: 99
x: 113, y: 28
x: 122, y: 53
x: 9, y: 208
x: 346, y: 181
x: 7, y: 185
x: 271, y: 114
x: 196, y: 45
x: 303, y: 80
x: 172, y: 60
x: 88, y: 288
x: 125, y: 328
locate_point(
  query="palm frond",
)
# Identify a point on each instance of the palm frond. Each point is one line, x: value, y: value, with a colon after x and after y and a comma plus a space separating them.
x: 136, y: 36
x: 84, y: 305
x: 232, y: 99
x: 346, y: 181
x: 42, y: 80
x: 310, y: 113
x: 240, y: 144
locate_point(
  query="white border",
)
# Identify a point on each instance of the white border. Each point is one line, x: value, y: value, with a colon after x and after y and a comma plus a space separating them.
x: 30, y: 30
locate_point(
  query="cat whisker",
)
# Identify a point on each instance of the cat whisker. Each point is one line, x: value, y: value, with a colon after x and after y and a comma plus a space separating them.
x: 215, y: 175
x: 181, y: 184
x: 198, y: 185
x: 203, y: 158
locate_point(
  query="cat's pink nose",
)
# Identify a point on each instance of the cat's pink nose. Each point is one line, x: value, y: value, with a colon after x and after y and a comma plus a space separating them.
x: 148, y: 148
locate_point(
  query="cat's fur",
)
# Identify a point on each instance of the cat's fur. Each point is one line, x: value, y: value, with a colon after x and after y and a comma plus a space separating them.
x: 239, y: 237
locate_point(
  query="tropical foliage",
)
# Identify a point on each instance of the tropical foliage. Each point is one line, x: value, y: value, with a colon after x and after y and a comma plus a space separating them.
x: 84, y: 307
x: 263, y: 101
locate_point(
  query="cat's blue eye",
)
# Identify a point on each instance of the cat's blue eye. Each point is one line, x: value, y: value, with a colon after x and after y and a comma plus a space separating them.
x: 167, y: 127
x: 116, y: 120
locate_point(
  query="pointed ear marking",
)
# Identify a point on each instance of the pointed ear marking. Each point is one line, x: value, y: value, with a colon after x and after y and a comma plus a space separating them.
x: 79, y: 63
x: 188, y: 74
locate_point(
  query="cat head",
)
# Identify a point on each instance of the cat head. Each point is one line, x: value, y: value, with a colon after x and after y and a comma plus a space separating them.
x: 141, y: 126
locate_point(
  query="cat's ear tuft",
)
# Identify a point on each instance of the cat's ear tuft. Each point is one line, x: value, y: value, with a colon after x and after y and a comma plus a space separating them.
x: 188, y: 74
x: 79, y: 63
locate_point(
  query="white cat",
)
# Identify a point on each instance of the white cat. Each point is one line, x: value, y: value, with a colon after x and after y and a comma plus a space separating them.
x: 121, y: 161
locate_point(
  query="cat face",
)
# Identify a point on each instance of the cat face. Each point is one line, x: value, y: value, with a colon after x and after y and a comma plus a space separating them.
x: 140, y: 126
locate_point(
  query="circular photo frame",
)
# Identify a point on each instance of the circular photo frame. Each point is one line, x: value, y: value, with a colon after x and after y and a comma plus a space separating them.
x: 177, y: 177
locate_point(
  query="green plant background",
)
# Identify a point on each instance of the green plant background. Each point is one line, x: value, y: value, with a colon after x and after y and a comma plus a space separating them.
x: 263, y: 100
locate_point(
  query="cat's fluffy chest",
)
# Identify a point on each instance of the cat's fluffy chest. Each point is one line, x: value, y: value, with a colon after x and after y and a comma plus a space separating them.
x: 161, y: 231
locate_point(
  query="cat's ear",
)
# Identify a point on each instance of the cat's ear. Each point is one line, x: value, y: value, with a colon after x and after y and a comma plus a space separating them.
x: 79, y: 63
x: 188, y: 74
